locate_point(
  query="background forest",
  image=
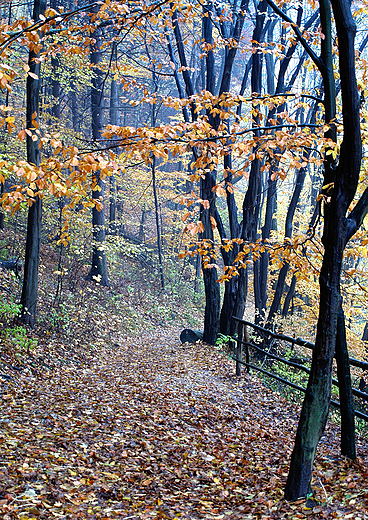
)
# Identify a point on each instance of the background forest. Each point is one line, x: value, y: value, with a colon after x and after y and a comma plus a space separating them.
x: 133, y: 104
x: 169, y: 162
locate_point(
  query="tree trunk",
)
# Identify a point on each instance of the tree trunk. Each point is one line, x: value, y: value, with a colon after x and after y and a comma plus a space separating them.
x: 2, y: 216
x: 365, y: 333
x: 114, y: 116
x: 250, y: 207
x: 346, y: 396
x: 227, y: 324
x: 158, y: 228
x: 32, y: 254
x: 197, y: 276
x: 289, y: 297
x: 264, y: 259
x: 210, y: 276
x: 288, y: 233
x: 74, y: 108
x: 315, y: 408
x: 345, y: 177
x: 98, y: 271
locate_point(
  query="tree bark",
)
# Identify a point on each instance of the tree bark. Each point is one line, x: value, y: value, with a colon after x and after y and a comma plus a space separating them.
x: 250, y: 207
x: 345, y: 177
x: 289, y: 297
x: 32, y: 254
x: 98, y: 271
x: 158, y: 229
x: 2, y: 215
x: 288, y: 233
x: 114, y: 116
x: 348, y: 447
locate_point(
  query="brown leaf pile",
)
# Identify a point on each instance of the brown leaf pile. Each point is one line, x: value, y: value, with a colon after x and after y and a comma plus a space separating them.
x: 154, y: 429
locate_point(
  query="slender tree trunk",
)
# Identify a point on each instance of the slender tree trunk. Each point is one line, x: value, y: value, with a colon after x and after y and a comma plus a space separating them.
x: 212, y: 290
x: 211, y: 285
x: 158, y: 228
x: 265, y: 257
x: 288, y: 233
x: 250, y: 209
x: 227, y: 324
x: 114, y: 116
x: 2, y: 216
x: 346, y: 396
x: 74, y: 108
x: 32, y: 254
x: 98, y: 271
x: 289, y: 297
x: 197, y: 279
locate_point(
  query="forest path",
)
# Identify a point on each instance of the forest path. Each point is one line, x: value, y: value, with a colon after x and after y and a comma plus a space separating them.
x: 155, y: 429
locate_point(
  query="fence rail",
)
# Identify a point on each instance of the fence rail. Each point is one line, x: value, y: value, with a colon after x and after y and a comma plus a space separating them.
x: 240, y: 342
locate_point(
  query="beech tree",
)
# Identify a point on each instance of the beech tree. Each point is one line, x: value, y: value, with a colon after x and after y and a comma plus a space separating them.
x: 242, y: 114
x: 32, y: 251
x: 98, y: 270
x: 339, y: 227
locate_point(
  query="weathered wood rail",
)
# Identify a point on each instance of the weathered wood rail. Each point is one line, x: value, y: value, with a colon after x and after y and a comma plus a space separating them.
x: 242, y: 346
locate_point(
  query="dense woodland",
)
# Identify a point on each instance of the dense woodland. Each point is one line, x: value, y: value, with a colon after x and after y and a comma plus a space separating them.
x: 189, y: 163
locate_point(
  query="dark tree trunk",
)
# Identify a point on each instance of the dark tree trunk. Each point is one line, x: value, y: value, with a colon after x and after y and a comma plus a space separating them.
x: 227, y: 324
x: 74, y: 108
x: 266, y: 233
x: 2, y: 216
x: 288, y: 233
x: 345, y: 177
x: 197, y: 278
x: 289, y: 297
x: 114, y: 116
x: 365, y: 333
x: 212, y: 290
x: 32, y: 254
x: 346, y: 396
x: 98, y: 271
x: 210, y: 276
x: 158, y: 227
x: 250, y: 207
x: 262, y: 276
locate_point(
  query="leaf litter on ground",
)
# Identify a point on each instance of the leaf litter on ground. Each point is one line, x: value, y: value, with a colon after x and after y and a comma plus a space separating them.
x: 149, y: 428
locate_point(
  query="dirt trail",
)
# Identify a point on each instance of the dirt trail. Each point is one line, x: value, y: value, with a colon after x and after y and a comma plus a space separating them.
x: 154, y: 429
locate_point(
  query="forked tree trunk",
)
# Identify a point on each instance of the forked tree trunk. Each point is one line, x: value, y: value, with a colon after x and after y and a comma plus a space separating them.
x: 338, y: 229
x: 32, y: 254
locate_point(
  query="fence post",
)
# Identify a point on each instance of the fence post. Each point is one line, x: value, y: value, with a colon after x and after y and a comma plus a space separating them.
x: 246, y: 339
x: 239, y: 348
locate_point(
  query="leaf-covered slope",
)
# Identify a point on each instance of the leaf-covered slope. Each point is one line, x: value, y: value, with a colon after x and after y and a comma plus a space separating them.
x: 154, y: 429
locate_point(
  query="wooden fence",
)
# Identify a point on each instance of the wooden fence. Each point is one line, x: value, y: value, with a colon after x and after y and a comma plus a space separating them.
x: 244, y: 347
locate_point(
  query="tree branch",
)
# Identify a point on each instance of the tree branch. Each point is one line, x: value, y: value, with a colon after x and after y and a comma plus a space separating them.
x: 356, y: 217
x: 316, y: 59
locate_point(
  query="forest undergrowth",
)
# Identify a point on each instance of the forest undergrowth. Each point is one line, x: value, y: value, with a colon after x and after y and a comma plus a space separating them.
x: 148, y: 428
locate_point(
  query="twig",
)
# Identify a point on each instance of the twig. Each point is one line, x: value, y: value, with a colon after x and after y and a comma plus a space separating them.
x: 323, y: 487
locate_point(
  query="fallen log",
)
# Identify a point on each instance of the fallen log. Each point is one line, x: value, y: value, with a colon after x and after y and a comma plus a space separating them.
x: 190, y: 336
